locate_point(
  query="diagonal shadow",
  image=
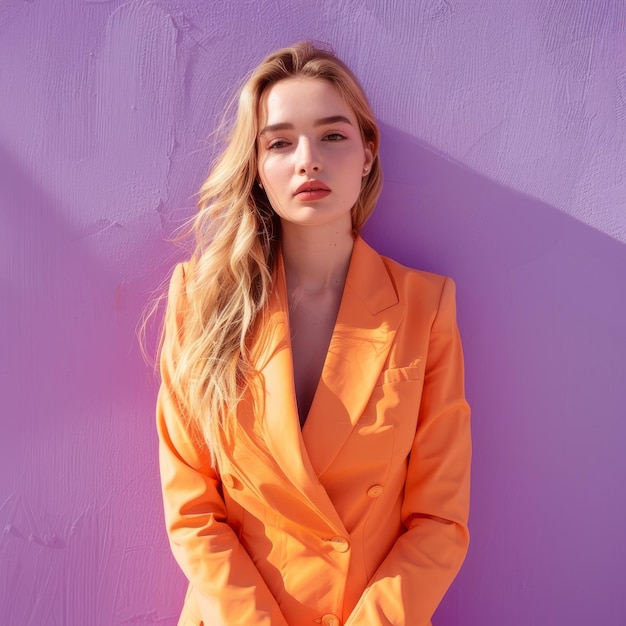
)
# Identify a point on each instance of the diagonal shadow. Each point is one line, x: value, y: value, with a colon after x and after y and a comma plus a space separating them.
x: 53, y: 306
x: 541, y: 300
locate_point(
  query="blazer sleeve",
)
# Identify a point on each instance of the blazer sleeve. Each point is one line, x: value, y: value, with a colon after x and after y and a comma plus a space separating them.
x: 413, y: 578
x: 227, y: 586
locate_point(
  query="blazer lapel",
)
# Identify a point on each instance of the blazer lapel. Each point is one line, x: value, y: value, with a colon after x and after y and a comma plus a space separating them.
x: 368, y: 318
x: 279, y: 413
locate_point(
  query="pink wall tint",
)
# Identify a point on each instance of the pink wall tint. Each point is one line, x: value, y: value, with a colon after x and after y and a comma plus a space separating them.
x: 504, y: 148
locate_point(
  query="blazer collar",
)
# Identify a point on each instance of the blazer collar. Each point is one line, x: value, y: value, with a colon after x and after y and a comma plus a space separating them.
x: 369, y: 315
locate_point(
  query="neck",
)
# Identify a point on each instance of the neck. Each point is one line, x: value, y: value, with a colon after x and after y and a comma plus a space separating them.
x: 316, y: 259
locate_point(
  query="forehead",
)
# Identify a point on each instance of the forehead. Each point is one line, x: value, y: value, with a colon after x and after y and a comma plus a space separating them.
x: 303, y: 99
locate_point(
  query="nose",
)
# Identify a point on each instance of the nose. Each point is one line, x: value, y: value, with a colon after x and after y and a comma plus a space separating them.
x: 307, y: 157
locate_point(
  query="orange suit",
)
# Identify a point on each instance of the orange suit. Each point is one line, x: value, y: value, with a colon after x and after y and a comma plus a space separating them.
x: 360, y: 517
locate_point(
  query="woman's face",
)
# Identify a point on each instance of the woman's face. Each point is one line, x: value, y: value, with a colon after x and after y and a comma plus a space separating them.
x: 310, y: 153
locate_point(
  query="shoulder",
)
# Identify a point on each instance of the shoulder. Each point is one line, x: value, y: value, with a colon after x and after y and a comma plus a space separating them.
x: 412, y: 276
x: 179, y: 285
x: 178, y: 278
x: 425, y: 292
x: 412, y: 284
x: 177, y: 302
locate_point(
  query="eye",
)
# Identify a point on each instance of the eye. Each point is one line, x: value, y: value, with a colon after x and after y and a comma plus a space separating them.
x: 334, y: 137
x: 277, y: 144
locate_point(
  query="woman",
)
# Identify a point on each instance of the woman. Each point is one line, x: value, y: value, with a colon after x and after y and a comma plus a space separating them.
x: 314, y: 436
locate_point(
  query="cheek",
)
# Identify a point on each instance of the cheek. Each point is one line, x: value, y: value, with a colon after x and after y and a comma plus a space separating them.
x: 353, y: 181
x: 353, y: 191
x: 274, y: 184
x: 272, y: 174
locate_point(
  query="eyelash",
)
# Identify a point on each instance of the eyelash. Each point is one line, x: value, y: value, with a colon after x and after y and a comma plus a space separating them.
x: 276, y: 145
x: 281, y: 143
x: 341, y: 137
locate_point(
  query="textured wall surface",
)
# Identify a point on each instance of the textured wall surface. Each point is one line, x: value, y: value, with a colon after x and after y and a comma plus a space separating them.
x: 504, y: 150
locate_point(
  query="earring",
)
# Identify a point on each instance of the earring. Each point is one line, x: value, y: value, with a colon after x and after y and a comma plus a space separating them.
x: 365, y: 171
x: 260, y: 184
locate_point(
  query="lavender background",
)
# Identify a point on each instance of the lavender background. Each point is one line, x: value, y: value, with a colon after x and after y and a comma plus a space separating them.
x: 504, y: 151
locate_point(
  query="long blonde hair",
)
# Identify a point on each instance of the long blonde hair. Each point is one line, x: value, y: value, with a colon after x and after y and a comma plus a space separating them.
x: 229, y: 277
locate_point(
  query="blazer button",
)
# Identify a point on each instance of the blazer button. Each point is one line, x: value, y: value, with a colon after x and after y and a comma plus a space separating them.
x: 375, y: 491
x: 330, y: 620
x: 341, y: 545
x: 228, y: 480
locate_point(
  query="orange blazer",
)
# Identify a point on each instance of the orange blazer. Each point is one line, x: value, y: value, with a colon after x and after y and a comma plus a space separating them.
x: 360, y: 517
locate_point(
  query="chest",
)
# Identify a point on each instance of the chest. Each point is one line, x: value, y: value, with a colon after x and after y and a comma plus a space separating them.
x: 311, y: 321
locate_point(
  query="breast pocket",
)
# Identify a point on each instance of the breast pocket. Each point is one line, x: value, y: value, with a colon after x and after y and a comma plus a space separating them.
x: 399, y: 374
x: 390, y: 415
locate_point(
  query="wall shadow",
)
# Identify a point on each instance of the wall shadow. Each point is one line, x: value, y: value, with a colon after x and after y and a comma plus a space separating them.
x: 541, y: 299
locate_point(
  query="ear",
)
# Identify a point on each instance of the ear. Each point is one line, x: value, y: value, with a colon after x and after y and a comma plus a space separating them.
x: 369, y: 156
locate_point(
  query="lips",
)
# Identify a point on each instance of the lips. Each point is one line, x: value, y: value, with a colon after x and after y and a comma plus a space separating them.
x: 312, y: 186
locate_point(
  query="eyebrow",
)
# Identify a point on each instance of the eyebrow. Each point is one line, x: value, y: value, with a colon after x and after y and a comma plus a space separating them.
x: 324, y: 121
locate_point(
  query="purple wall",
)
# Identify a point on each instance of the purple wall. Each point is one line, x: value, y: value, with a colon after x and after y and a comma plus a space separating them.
x: 504, y: 147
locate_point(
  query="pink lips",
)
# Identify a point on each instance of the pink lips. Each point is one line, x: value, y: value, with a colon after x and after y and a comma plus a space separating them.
x: 312, y: 190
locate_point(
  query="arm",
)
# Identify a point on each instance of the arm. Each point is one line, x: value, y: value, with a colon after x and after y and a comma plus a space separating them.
x: 227, y: 586
x: 411, y: 581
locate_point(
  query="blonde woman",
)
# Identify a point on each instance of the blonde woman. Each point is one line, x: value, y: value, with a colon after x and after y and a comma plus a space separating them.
x: 314, y: 435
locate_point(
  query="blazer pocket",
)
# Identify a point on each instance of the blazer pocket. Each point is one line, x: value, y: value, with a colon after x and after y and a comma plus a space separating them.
x: 399, y: 374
